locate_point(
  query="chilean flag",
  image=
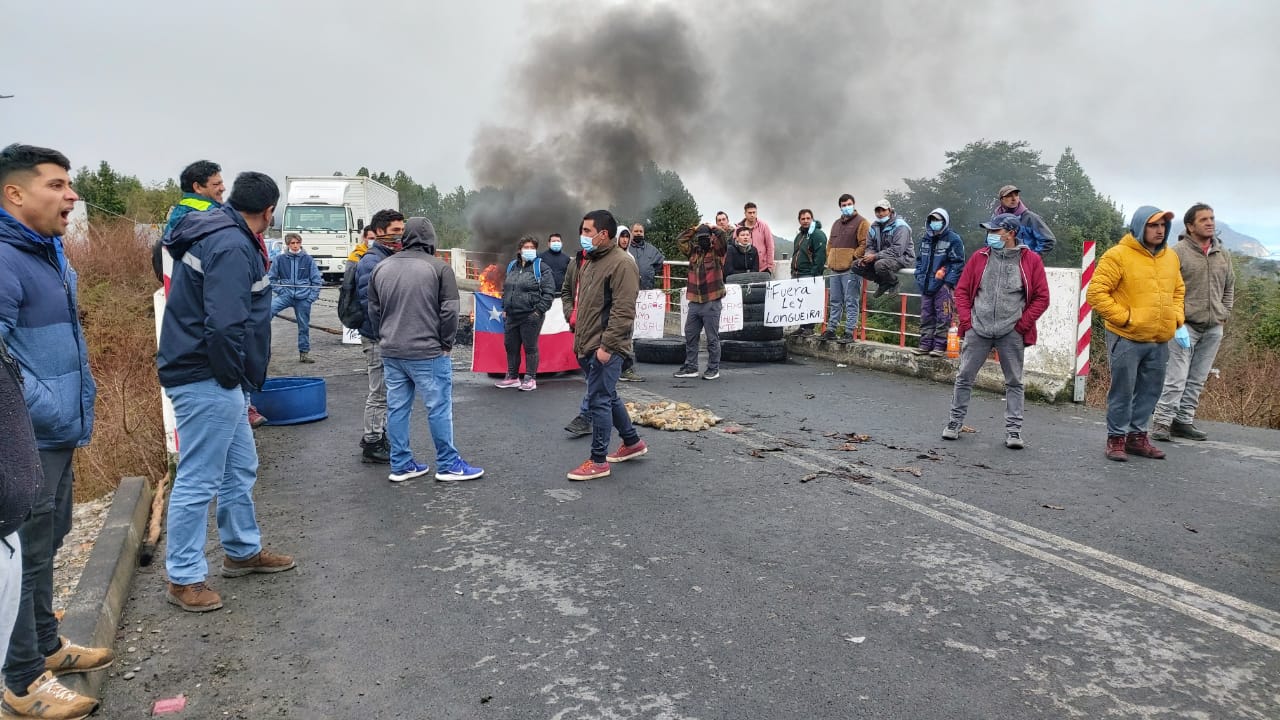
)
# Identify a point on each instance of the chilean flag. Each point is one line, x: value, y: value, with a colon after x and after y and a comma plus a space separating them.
x: 555, y: 344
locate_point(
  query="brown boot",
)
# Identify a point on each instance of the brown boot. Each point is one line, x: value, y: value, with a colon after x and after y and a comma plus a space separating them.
x: 47, y: 698
x: 264, y: 562
x: 1115, y: 448
x: 71, y: 658
x: 1138, y: 444
x: 196, y: 597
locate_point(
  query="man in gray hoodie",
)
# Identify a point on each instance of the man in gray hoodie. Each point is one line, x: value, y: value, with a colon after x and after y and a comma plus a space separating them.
x: 413, y: 308
x: 889, y: 249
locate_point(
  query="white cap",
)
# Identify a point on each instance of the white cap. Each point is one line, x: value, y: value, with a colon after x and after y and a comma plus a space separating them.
x: 882, y: 203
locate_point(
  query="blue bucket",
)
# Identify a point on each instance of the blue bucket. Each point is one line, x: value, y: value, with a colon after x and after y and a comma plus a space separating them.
x: 291, y: 400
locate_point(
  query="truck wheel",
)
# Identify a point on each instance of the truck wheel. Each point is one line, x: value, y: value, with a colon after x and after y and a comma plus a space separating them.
x: 753, y: 351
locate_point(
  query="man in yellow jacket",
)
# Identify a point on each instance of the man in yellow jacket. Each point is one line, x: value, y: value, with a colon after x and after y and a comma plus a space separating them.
x: 1138, y: 289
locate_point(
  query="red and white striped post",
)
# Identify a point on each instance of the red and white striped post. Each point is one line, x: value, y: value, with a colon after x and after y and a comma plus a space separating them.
x: 1084, y: 327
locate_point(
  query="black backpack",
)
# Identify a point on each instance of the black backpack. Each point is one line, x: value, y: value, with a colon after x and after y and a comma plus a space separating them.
x: 350, y: 312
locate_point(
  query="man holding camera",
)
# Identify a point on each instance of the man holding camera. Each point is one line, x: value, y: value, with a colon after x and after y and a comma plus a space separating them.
x: 705, y: 246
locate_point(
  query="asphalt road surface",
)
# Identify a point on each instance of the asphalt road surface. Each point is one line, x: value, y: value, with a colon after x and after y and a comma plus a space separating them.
x: 776, y: 572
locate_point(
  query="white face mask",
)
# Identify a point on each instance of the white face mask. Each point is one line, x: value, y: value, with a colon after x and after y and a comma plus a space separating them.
x: 295, y: 251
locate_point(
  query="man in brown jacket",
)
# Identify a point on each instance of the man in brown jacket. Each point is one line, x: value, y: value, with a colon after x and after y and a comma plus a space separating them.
x: 846, y: 243
x: 607, y: 286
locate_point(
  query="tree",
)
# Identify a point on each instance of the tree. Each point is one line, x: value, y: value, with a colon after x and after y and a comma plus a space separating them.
x: 1077, y: 212
x: 104, y: 191
x: 674, y: 213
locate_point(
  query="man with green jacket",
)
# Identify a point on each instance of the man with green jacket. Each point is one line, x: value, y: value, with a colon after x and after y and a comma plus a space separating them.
x: 808, y: 254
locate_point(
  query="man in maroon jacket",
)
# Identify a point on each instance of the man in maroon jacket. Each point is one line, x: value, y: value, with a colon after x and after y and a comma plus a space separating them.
x: 1003, y: 291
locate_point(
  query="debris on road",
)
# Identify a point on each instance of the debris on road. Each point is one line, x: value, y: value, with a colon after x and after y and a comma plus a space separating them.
x: 672, y: 416
x: 1189, y: 528
x: 966, y: 428
x: 844, y: 473
x: 169, y: 705
x: 759, y: 452
x: 733, y: 430
x: 908, y: 469
x: 857, y: 640
x: 1053, y: 507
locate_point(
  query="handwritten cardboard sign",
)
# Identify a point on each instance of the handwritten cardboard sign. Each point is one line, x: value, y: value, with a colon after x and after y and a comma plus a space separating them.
x: 798, y: 301
x: 651, y: 313
x: 730, y: 308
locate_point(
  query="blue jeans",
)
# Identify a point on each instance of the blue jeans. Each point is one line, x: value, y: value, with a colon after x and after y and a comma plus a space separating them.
x: 301, y: 311
x: 844, y: 294
x: 1137, y: 377
x: 434, y: 379
x: 216, y: 457
x: 607, y: 410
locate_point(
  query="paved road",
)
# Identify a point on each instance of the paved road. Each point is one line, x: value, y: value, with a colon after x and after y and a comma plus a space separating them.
x: 705, y: 582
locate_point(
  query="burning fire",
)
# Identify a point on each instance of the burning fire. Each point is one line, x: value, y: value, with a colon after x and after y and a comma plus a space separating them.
x: 491, y: 281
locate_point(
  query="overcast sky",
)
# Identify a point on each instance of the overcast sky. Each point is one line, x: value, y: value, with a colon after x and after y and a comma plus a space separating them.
x: 1164, y: 103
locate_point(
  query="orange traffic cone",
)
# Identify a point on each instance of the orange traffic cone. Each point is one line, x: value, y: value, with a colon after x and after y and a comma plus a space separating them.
x: 953, y: 342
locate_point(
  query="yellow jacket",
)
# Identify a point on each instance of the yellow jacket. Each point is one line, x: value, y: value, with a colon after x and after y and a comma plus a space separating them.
x: 358, y: 252
x: 1139, y: 293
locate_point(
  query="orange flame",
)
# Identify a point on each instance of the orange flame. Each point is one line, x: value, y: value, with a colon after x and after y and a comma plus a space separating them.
x: 491, y: 281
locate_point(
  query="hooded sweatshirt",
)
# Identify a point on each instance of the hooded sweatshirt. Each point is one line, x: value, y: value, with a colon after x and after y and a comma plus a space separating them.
x: 939, y: 250
x: 1033, y: 283
x: 1210, y: 282
x: 892, y: 241
x: 649, y: 260
x: 809, y: 251
x: 1139, y: 292
x: 1032, y: 231
x: 413, y: 298
x: 848, y: 242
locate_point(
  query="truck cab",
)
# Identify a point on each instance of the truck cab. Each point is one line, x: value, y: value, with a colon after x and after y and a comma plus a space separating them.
x: 329, y: 212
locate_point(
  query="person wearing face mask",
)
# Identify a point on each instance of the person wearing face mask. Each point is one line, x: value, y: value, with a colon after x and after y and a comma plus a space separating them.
x: 845, y: 248
x: 741, y: 256
x: 889, y: 249
x: 580, y: 425
x: 527, y: 294
x: 649, y: 259
x: 938, y: 266
x: 1032, y: 230
x: 1001, y: 294
x: 388, y: 228
x: 808, y: 255
x: 556, y: 259
x: 295, y: 283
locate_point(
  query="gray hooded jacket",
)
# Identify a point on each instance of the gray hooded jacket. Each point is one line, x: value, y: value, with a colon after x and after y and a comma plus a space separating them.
x: 413, y: 298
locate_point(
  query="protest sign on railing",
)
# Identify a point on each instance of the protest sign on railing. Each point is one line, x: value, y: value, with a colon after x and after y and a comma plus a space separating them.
x: 730, y: 308
x: 794, y: 302
x: 651, y: 307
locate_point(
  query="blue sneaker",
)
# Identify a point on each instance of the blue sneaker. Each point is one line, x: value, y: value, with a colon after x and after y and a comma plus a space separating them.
x: 459, y: 470
x: 409, y: 472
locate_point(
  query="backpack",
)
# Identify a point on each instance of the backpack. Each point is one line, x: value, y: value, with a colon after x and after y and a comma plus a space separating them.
x: 349, y: 310
x: 537, y: 268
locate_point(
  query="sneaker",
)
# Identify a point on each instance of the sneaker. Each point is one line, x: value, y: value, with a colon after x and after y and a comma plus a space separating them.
x: 630, y: 375
x: 256, y: 420
x: 798, y: 332
x: 846, y: 340
x: 305, y: 358
x: 829, y: 335
x: 196, y: 597
x: 264, y: 562
x: 47, y: 698
x: 921, y: 351
x: 627, y: 452
x: 885, y: 288
x: 578, y: 426
x: 71, y: 658
x: 458, y: 471
x: 710, y: 374
x: 409, y: 472
x: 937, y: 353
x: 510, y: 381
x: 528, y: 384
x: 377, y: 452
x: 952, y: 430
x: 1136, y: 443
x: 1187, y: 430
x: 589, y: 470
x: 1013, y: 439
x: 1115, y: 448
x: 1161, y: 432
x: 686, y: 372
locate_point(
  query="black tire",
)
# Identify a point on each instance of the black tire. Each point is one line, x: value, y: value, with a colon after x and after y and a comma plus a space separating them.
x: 661, y: 351
x: 749, y: 277
x: 753, y: 295
x: 752, y: 312
x: 753, y: 351
x: 755, y: 330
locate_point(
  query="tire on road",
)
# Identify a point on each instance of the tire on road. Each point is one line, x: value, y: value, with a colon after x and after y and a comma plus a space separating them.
x: 661, y: 351
x: 754, y: 330
x: 753, y: 351
x: 753, y: 312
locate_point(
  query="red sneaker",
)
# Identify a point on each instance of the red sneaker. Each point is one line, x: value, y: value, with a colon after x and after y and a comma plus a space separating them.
x: 256, y: 420
x: 589, y: 470
x: 628, y: 452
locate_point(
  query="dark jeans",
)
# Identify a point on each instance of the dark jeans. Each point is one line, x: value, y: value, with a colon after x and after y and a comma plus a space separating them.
x: 35, y: 633
x: 935, y: 319
x: 522, y: 332
x: 1137, y: 378
x: 702, y: 316
x: 607, y: 410
x: 884, y: 271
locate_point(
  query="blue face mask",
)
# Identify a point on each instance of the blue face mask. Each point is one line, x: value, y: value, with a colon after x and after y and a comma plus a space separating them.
x: 528, y: 254
x: 556, y: 245
x: 995, y: 240
x: 885, y: 220
x: 935, y: 225
x: 586, y: 243
x: 847, y: 211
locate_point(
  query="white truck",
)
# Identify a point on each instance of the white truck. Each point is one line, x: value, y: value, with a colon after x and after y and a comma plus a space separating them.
x: 329, y: 212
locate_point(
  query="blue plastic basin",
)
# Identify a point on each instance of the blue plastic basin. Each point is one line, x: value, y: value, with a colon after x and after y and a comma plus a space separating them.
x: 291, y: 400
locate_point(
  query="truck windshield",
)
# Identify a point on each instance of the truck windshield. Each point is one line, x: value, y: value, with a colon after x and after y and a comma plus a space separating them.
x: 315, y: 218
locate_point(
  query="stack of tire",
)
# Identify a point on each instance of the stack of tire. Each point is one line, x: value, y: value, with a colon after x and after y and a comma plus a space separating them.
x: 753, y: 343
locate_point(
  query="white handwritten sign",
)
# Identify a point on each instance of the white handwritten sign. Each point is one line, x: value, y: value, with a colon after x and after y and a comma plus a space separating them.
x: 730, y: 308
x: 651, y: 314
x: 794, y: 302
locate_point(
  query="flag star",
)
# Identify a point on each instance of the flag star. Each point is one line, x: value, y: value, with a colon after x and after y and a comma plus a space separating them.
x: 495, y: 314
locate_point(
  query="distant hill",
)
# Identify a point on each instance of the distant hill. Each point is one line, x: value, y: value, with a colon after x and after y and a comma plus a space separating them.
x: 1241, y: 243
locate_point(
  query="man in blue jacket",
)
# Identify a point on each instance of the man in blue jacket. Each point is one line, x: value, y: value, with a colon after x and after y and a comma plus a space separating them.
x: 215, y: 343
x: 40, y: 326
x: 202, y: 189
x: 1032, y: 229
x: 295, y: 283
x: 938, y: 267
x: 889, y: 249
x: 388, y: 228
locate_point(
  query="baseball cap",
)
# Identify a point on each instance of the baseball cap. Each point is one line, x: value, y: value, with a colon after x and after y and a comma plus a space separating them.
x: 1003, y: 221
x: 1008, y: 189
x: 1165, y: 215
x: 883, y: 204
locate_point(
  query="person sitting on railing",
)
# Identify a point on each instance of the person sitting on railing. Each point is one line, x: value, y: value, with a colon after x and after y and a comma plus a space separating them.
x: 741, y: 256
x: 938, y: 269
x: 889, y: 249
